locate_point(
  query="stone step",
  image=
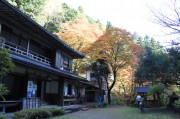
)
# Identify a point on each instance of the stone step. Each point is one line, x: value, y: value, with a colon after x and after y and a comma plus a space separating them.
x: 84, y: 109
x: 68, y: 111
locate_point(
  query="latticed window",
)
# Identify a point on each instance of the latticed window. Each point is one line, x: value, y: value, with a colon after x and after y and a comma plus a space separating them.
x: 66, y: 62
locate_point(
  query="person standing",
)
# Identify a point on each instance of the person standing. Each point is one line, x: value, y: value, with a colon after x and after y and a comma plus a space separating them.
x: 138, y: 98
x: 141, y: 104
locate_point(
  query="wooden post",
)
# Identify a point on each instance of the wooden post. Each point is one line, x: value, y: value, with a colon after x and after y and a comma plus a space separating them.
x: 58, y: 59
x: 0, y: 27
x: 1, y: 42
x: 28, y: 43
x: 61, y: 92
x: 70, y: 64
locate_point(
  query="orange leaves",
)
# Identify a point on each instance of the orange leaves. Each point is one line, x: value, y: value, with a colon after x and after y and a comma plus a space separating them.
x: 124, y: 81
x: 79, y: 32
x: 117, y: 47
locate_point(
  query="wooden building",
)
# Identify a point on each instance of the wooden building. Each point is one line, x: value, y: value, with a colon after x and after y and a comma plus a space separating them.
x: 43, y: 72
x: 92, y: 90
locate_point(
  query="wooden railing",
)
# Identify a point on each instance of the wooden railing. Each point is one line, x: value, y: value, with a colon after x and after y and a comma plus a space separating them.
x: 70, y: 100
x: 34, y: 102
x: 13, y: 48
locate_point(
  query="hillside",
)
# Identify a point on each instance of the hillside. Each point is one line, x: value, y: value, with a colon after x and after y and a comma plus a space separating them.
x: 71, y: 25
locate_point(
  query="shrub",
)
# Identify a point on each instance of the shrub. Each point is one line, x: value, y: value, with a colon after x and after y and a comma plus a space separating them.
x: 2, y: 117
x: 117, y: 101
x: 40, y: 113
x: 56, y: 111
x: 104, y: 104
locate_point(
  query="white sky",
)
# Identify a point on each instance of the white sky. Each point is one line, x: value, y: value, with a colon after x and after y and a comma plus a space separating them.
x: 132, y: 15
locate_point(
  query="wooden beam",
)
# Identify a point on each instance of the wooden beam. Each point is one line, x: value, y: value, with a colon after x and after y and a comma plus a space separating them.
x: 28, y: 42
x: 0, y: 27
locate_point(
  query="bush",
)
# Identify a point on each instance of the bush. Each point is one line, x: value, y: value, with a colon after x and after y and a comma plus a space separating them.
x: 117, y: 101
x: 2, y: 117
x: 104, y: 104
x: 56, y: 111
x: 40, y: 113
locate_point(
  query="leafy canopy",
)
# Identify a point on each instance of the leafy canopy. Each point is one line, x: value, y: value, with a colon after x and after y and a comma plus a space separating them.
x: 6, y: 64
x: 117, y: 48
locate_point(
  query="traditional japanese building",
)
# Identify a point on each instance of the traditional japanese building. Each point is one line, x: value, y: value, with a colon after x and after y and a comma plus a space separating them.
x: 43, y: 62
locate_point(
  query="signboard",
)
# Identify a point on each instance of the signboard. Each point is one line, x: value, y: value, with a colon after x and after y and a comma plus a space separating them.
x: 29, y: 94
x: 30, y: 86
x: 31, y: 89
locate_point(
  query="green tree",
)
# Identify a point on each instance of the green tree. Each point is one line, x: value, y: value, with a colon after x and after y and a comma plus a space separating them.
x: 62, y: 14
x: 6, y: 65
x: 108, y: 24
x: 157, y: 90
x: 158, y: 65
x: 80, y: 9
x: 100, y: 72
x: 154, y: 64
x: 100, y: 24
x: 91, y: 20
x: 69, y: 13
x: 30, y: 7
x: 174, y: 68
x: 3, y: 91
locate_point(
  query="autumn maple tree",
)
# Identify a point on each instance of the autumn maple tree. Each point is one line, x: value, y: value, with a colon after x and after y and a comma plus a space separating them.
x: 118, y: 49
x: 79, y: 34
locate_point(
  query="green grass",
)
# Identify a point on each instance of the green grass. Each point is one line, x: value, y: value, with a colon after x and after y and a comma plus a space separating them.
x: 132, y: 113
x: 63, y: 117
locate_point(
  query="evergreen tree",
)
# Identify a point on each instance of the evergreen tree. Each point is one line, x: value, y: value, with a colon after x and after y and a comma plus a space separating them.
x: 30, y: 7
x: 108, y: 24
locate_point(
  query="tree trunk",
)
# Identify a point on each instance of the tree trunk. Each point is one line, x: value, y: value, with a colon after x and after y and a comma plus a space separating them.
x: 109, y: 96
x: 110, y: 88
x: 154, y: 96
x: 158, y: 99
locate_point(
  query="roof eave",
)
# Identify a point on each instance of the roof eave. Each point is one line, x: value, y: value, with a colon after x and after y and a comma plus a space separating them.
x: 75, y: 53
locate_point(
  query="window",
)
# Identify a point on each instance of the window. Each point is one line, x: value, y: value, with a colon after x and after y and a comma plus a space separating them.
x: 23, y: 43
x: 65, y: 62
x: 52, y: 87
x: 65, y: 89
x: 69, y: 89
x: 6, y: 32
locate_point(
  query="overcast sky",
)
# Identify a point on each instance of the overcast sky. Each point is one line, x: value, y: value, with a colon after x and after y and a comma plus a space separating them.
x: 132, y: 15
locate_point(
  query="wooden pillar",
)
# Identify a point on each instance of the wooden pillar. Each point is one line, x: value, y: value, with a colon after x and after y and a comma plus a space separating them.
x: 25, y: 82
x: 0, y: 27
x: 58, y: 59
x: 70, y: 64
x: 61, y: 92
x: 2, y: 40
x: 28, y: 43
